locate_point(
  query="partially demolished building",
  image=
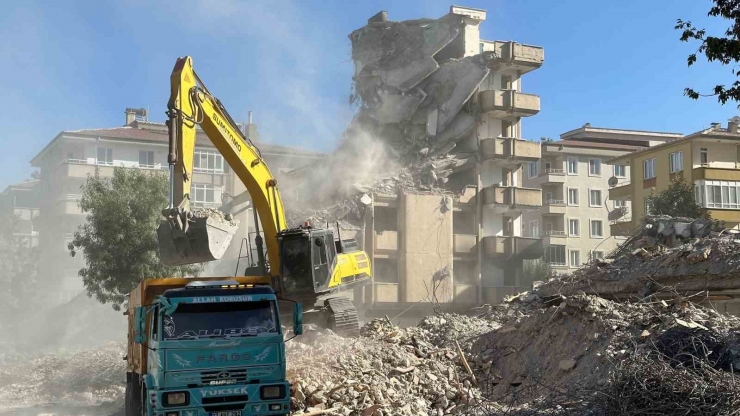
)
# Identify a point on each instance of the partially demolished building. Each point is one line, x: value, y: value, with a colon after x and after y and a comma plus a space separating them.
x: 435, y: 182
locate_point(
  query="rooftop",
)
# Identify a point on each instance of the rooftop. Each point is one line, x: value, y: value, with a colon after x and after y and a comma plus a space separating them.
x: 23, y: 186
x: 714, y: 132
x: 594, y: 145
x: 146, y: 131
x: 588, y: 131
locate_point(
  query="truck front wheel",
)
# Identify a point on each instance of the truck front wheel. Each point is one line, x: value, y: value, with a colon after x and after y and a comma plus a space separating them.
x: 133, y: 395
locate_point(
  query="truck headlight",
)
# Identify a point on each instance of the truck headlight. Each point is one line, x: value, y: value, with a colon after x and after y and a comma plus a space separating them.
x: 175, y: 399
x: 272, y: 392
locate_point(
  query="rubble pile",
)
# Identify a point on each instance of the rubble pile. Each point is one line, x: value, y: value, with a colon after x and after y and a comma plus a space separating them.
x: 574, y: 352
x: 657, y: 261
x: 84, y: 377
x: 389, y: 370
x: 349, y: 210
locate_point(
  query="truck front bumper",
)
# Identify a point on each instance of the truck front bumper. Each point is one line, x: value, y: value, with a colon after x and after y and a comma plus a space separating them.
x: 234, y: 400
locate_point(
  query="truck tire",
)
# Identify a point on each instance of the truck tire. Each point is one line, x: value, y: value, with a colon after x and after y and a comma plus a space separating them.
x: 133, y: 393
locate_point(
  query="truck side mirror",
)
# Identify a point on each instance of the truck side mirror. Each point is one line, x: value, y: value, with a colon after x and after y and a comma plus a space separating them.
x: 140, y: 325
x: 297, y: 318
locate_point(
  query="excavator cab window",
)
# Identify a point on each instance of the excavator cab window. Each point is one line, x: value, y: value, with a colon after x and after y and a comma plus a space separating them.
x: 323, y: 257
x: 297, y: 276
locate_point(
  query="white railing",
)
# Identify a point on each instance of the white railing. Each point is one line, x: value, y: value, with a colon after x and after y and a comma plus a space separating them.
x: 555, y: 202
x: 553, y: 171
x: 556, y: 233
x: 721, y: 165
x: 121, y: 163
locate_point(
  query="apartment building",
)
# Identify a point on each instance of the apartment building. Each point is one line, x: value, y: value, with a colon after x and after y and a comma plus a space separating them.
x: 574, y: 178
x: 72, y: 156
x: 710, y: 159
x: 22, y: 199
x: 465, y: 247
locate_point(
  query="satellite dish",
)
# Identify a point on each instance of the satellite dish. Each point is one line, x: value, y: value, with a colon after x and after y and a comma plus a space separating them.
x: 613, y: 181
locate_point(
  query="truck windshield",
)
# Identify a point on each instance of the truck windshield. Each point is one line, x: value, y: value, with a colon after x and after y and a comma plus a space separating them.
x: 220, y: 320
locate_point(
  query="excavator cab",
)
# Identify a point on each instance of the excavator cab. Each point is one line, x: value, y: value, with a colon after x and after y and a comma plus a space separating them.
x: 307, y: 259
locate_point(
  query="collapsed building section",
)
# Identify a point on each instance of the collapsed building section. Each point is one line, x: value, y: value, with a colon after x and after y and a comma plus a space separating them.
x: 666, y: 258
x: 428, y: 177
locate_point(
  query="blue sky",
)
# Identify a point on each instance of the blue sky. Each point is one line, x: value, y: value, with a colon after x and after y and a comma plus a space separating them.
x: 78, y: 64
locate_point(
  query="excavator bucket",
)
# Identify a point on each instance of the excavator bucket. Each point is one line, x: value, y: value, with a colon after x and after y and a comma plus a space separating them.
x: 194, y: 237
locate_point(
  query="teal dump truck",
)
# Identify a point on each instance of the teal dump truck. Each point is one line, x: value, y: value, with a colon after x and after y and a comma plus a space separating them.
x: 206, y: 347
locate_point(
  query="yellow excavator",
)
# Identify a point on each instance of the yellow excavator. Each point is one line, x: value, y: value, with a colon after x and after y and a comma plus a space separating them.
x: 303, y: 264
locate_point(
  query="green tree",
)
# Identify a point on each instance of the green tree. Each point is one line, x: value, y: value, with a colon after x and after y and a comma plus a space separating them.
x: 677, y: 201
x: 724, y: 49
x: 119, y: 239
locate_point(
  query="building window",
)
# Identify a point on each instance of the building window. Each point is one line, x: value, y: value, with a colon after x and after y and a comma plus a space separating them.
x: 718, y: 194
x: 555, y: 255
x: 572, y: 165
x: 105, y: 156
x: 675, y: 161
x: 620, y: 171
x: 575, y: 258
x: 534, y: 228
x: 146, y: 158
x: 532, y: 170
x: 594, y: 167
x: 704, y: 156
x: 573, y: 197
x: 597, y: 255
x: 594, y: 197
x: 618, y: 203
x: 597, y: 229
x: 208, y: 161
x: 206, y: 195
x: 649, y: 168
x: 574, y: 227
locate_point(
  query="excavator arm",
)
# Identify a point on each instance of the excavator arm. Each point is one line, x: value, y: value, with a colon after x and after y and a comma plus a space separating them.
x: 188, y: 235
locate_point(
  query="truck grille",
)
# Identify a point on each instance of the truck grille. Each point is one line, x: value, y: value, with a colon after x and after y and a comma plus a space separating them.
x: 223, y: 377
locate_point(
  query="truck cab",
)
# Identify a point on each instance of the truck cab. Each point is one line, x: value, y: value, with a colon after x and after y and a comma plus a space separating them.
x: 207, y: 347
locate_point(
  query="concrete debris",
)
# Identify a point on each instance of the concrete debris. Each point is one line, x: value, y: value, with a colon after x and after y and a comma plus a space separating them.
x: 80, y: 378
x: 397, y: 371
x: 665, y: 257
x: 528, y: 356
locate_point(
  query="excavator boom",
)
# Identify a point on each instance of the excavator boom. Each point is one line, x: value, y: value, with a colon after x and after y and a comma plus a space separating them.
x: 188, y: 235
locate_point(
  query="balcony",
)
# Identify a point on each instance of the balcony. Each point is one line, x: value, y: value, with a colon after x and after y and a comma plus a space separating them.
x: 386, y: 241
x: 623, y: 228
x: 511, y: 150
x: 68, y: 205
x: 717, y: 171
x: 554, y: 237
x: 551, y: 176
x: 463, y: 244
x: 622, y: 192
x: 505, y: 198
x: 82, y: 168
x: 506, y: 247
x: 504, y: 104
x: 522, y: 58
x: 553, y: 207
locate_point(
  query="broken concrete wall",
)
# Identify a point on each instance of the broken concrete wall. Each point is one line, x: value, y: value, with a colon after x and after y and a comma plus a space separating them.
x: 426, y: 248
x: 413, y: 109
